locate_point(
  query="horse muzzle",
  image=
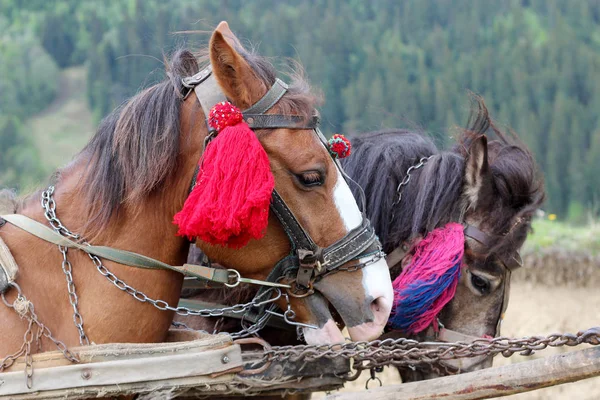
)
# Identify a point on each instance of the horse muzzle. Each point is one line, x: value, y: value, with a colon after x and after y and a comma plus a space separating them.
x: 362, y: 298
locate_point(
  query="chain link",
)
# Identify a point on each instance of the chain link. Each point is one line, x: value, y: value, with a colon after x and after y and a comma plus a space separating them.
x: 406, y: 179
x: 408, y: 352
x: 270, y: 296
x: 34, y: 333
x: 353, y: 268
x: 49, y: 206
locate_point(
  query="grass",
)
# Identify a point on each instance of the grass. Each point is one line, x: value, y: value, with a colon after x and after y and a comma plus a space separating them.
x: 66, y: 125
x: 554, y: 234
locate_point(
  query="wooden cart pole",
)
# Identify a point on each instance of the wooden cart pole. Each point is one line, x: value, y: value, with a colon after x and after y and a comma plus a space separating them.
x: 492, y: 382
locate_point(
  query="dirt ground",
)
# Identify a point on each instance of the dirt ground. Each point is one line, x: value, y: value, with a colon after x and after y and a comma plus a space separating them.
x: 537, y: 309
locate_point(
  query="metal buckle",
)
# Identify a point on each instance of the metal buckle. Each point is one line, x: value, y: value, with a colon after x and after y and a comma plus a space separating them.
x: 310, y: 266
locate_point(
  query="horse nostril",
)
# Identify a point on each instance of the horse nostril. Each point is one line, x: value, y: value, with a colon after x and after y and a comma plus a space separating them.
x: 381, y: 309
x: 376, y: 305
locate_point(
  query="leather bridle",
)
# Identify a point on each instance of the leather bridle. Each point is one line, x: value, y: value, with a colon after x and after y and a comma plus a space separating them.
x: 307, y: 262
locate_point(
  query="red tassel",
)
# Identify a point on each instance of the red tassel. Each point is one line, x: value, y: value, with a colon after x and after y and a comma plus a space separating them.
x: 230, y: 203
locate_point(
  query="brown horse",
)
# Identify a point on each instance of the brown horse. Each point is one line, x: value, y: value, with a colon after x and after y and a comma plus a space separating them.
x: 493, y: 187
x: 124, y: 188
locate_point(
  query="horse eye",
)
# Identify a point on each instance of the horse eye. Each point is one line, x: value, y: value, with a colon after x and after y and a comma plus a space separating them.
x: 480, y: 284
x: 310, y: 178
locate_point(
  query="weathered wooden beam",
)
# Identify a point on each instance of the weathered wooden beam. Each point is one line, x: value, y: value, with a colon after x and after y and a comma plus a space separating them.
x: 124, y: 371
x: 492, y: 382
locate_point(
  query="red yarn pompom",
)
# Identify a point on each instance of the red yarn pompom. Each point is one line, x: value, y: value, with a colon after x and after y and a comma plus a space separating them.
x: 224, y: 114
x: 230, y: 203
x: 340, y: 146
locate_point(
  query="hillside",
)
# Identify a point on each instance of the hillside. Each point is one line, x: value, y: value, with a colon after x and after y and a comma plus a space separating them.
x: 62, y: 129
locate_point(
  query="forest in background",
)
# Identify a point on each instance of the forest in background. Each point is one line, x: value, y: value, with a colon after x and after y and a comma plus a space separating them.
x: 380, y: 64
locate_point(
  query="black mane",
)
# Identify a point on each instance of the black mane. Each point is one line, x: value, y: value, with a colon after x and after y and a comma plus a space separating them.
x: 379, y: 163
x: 433, y: 197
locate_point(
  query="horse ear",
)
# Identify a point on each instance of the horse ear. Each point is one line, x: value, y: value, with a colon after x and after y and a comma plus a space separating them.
x: 477, y: 178
x: 234, y: 75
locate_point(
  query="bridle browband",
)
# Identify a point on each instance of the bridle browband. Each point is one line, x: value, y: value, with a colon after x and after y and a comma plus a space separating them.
x: 307, y: 262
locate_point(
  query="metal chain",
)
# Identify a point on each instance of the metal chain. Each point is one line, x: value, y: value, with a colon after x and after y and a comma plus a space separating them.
x: 268, y: 297
x: 353, y: 268
x: 50, y: 213
x: 408, y: 352
x: 35, y: 331
x: 164, y: 306
x: 406, y: 179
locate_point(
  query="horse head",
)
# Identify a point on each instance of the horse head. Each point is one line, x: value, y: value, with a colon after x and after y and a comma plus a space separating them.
x: 491, y: 188
x: 312, y: 205
x: 126, y: 188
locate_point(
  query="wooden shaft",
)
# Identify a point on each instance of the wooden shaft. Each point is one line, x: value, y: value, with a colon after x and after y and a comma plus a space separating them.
x: 492, y: 382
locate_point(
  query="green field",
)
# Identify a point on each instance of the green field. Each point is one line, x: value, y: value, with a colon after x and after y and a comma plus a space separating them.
x: 63, y: 129
x: 554, y: 234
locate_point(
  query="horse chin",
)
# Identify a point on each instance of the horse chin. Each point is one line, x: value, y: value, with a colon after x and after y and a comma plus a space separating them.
x: 329, y: 333
x: 324, y: 316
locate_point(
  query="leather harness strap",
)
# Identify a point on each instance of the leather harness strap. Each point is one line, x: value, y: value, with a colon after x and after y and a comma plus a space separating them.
x: 511, y: 262
x: 276, y: 121
x: 120, y: 256
x: 210, y: 94
x: 478, y: 235
x: 8, y: 266
x: 299, y: 239
x: 354, y: 244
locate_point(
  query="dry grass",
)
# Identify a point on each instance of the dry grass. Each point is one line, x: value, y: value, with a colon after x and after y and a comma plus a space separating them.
x: 536, y: 309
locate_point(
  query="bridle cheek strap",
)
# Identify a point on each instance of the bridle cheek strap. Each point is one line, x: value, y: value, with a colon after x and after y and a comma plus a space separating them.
x: 315, y: 261
x: 510, y: 263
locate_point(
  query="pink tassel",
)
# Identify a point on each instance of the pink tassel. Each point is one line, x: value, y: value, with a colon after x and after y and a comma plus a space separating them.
x: 429, y: 282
